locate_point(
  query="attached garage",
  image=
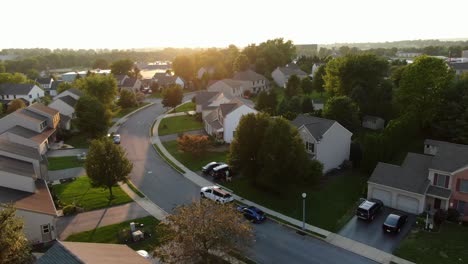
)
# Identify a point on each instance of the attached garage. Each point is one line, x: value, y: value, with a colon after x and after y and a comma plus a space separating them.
x: 383, y: 195
x: 407, y: 204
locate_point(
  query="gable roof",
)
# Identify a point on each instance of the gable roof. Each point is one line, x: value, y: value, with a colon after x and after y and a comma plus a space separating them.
x: 55, y: 85
x: 32, y: 116
x: 411, y: 176
x: 315, y: 125
x: 288, y: 71
x: 68, y: 100
x: 91, y: 253
x: 40, y: 201
x: 45, y: 80
x: 449, y: 157
x: 120, y: 77
x: 204, y: 97
x: 19, y: 149
x: 460, y: 66
x: 248, y: 75
x: 30, y: 134
x: 76, y: 91
x: 129, y: 82
x: 232, y: 83
x: 44, y: 109
x: 228, y: 108
x: 16, y: 88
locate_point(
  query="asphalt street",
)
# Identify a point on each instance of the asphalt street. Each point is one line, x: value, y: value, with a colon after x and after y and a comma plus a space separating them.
x: 167, y: 188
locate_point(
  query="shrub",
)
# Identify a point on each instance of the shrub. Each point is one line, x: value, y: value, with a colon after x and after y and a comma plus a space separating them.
x: 127, y: 99
x: 69, y: 209
x: 453, y: 215
x: 194, y: 144
x: 439, y: 217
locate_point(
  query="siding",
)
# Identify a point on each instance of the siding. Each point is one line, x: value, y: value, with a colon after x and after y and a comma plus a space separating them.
x: 33, y: 222
x: 232, y: 120
x: 62, y: 107
x: 462, y: 175
x: 334, y: 147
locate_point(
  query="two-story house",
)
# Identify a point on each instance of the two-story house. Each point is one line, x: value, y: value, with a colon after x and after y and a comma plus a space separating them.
x: 437, y: 179
x: 166, y: 80
x: 45, y: 83
x: 325, y: 140
x: 206, y: 102
x: 65, y: 103
x: 25, y: 91
x: 281, y: 75
x: 228, y: 87
x: 253, y: 81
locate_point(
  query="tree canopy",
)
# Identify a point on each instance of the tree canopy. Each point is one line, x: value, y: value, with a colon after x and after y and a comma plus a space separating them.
x: 172, y: 96
x: 15, y: 105
x: 344, y: 111
x: 6, y: 77
x: 121, y: 67
x: 241, y: 63
x: 318, y: 84
x: 127, y: 99
x: 306, y: 85
x: 183, y: 66
x: 14, y: 247
x: 106, y: 164
x: 293, y: 86
x: 102, y: 87
x: 92, y: 117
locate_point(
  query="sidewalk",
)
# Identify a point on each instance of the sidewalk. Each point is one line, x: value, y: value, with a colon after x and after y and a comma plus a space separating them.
x: 332, y: 238
x: 145, y: 203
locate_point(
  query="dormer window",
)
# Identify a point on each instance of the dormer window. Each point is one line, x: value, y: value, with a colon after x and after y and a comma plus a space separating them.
x: 43, y: 125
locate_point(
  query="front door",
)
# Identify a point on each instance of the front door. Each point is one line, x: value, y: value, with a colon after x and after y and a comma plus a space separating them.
x: 437, y: 203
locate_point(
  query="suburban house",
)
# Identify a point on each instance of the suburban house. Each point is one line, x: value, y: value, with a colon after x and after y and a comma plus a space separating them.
x: 437, y: 179
x: 25, y: 91
x: 253, y: 81
x: 220, y: 114
x: 403, y: 54
x: 71, y: 76
x: 325, y: 140
x: 165, y: 80
x: 65, y: 103
x: 130, y: 84
x: 318, y: 104
x: 460, y: 67
x: 281, y: 75
x: 120, y: 78
x: 228, y: 87
x: 45, y: 83
x: 315, y: 69
x: 90, y: 253
x: 373, y: 122
x: 53, y: 91
x: 205, y: 70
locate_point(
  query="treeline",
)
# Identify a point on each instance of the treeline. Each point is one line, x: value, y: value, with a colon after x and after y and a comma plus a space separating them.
x: 403, y: 44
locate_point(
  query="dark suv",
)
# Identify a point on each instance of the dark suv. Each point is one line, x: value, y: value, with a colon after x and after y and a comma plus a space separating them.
x: 368, y: 209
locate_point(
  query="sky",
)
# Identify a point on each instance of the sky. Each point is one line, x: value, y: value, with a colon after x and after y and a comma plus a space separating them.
x: 217, y: 23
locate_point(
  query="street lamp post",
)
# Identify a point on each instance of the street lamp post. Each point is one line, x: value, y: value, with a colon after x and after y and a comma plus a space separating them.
x: 304, y: 195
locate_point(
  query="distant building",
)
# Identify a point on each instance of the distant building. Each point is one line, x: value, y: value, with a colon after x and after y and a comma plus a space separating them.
x: 460, y: 67
x: 403, y: 54
x: 465, y: 54
x: 281, y: 75
x: 373, y: 122
x: 71, y: 76
x: 229, y: 87
x: 205, y: 70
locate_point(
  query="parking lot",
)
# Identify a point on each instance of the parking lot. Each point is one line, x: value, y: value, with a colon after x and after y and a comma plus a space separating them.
x: 371, y: 233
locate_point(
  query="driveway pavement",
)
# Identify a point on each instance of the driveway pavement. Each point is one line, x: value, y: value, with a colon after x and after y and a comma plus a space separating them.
x: 66, y: 152
x: 66, y: 173
x: 371, y: 233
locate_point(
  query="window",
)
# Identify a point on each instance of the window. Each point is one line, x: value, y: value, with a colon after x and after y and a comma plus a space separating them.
x: 43, y: 125
x: 441, y: 180
x: 30, y: 96
x: 461, y: 207
x: 310, y: 147
x: 45, y: 229
x: 464, y: 186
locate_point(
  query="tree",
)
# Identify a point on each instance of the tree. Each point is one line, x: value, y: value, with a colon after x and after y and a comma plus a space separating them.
x: 14, y: 247
x: 2, y: 67
x: 102, y: 87
x: 127, y: 99
x: 241, y: 63
x: 92, y: 117
x: 318, y: 84
x: 293, y: 87
x: 422, y: 85
x: 267, y: 102
x: 106, y: 164
x: 307, y: 106
x: 198, y: 230
x: 184, y: 67
x: 193, y: 144
x: 63, y: 86
x: 273, y: 53
x: 32, y: 74
x: 100, y: 64
x: 121, y: 67
x: 172, y: 96
x: 13, y: 78
x: 15, y: 105
x: 343, y: 110
x: 306, y: 85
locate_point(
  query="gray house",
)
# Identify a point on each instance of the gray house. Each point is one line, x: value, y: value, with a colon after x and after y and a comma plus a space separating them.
x: 253, y: 81
x: 281, y: 75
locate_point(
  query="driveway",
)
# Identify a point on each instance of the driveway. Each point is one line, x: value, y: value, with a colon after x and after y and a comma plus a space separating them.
x: 371, y: 233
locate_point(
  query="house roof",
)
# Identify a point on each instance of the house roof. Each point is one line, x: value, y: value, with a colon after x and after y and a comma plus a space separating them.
x: 228, y: 108
x: 16, y: 88
x: 212, y: 116
x: 411, y: 176
x: 248, y: 75
x: 30, y: 134
x: 64, y: 119
x: 449, y: 157
x: 76, y: 91
x: 19, y: 149
x: 15, y: 166
x: 316, y: 126
x: 120, y: 77
x: 216, y: 125
x: 129, y: 82
x: 32, y: 116
x: 91, y: 253
x: 232, y: 83
x: 44, y: 109
x: 439, y: 191
x: 45, y: 80
x: 68, y: 100
x: 204, y: 98
x: 288, y: 71
x: 460, y: 66
x: 166, y: 80
x: 40, y: 201
x: 55, y: 85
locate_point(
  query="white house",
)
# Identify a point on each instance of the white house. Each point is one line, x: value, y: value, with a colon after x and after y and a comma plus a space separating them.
x: 65, y: 103
x: 26, y: 91
x: 45, y: 83
x: 325, y: 140
x: 206, y: 102
x: 281, y: 75
x: 373, y: 122
x: 228, y: 87
x: 71, y: 76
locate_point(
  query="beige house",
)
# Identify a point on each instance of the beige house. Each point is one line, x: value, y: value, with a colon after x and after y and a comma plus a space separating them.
x: 253, y: 81
x: 281, y: 75
x: 229, y: 87
x: 65, y: 103
x: 130, y: 84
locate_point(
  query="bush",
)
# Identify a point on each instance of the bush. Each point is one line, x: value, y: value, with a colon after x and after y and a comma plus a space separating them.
x: 69, y: 209
x: 439, y: 217
x: 194, y: 144
x: 127, y: 99
x: 453, y: 215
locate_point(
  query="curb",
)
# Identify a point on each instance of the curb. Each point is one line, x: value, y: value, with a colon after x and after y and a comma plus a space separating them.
x: 117, y: 124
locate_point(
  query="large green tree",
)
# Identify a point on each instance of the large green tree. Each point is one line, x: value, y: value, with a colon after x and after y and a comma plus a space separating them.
x: 343, y: 110
x: 6, y: 77
x: 307, y: 85
x: 101, y: 64
x: 267, y: 102
x: 293, y: 86
x: 318, y: 84
x: 102, y: 87
x: 172, y: 96
x: 241, y: 63
x: 14, y: 247
x: 273, y: 53
x: 120, y: 67
x: 127, y: 99
x: 184, y: 67
x: 106, y: 164
x: 92, y: 117
x: 421, y: 87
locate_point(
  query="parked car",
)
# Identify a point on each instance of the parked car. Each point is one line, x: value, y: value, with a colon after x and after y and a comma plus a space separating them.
x: 216, y: 194
x: 144, y: 254
x: 394, y: 222
x: 210, y: 166
x: 252, y: 213
x: 220, y: 172
x: 115, y: 138
x: 368, y: 209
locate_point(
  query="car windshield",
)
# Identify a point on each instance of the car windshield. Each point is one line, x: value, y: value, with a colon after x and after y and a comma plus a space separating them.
x: 256, y: 210
x: 361, y: 210
x: 392, y: 220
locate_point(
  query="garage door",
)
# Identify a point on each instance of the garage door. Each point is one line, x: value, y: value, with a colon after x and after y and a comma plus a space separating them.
x: 407, y: 204
x: 383, y: 195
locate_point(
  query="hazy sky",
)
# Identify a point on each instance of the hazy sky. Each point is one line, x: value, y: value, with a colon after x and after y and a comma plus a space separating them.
x: 209, y: 23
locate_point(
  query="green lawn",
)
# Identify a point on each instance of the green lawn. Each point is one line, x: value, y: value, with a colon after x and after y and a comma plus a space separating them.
x: 448, y: 246
x: 328, y: 207
x: 78, y: 141
x: 178, y: 124
x: 60, y: 163
x: 193, y: 163
x: 110, y: 234
x: 189, y: 106
x: 89, y: 198
x: 125, y: 111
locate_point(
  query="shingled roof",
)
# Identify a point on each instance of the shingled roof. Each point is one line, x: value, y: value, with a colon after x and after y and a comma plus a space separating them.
x: 40, y: 201
x: 449, y: 157
x: 68, y: 100
x: 315, y: 125
x: 288, y: 71
x: 16, y: 88
x: 248, y: 75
